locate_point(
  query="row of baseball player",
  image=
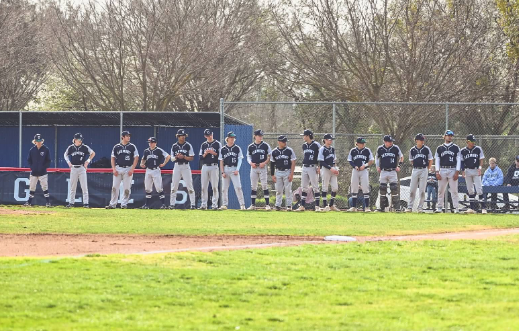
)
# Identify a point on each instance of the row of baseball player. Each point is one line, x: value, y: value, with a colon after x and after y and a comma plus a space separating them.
x: 317, y: 160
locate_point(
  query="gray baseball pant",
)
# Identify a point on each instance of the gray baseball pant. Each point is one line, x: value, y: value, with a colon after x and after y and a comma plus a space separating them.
x: 226, y: 183
x: 78, y: 173
x: 391, y: 178
x: 182, y: 171
x: 362, y: 178
x: 327, y: 178
x: 283, y: 184
x: 153, y: 177
x: 126, y: 179
x: 447, y: 178
x: 209, y: 174
x: 44, y: 182
x: 309, y: 176
x: 258, y: 174
x: 473, y: 178
x: 418, y: 181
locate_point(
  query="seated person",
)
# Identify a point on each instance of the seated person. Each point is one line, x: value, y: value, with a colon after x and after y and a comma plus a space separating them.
x: 493, y: 176
x: 511, y: 179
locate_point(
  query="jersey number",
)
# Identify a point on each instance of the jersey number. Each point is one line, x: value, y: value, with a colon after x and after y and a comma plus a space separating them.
x: 233, y: 160
x: 451, y: 159
x: 127, y: 157
x: 286, y: 162
x: 262, y: 157
x: 392, y: 160
x: 311, y: 158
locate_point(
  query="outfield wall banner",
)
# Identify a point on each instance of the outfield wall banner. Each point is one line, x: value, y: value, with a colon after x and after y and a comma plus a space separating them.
x: 14, y: 189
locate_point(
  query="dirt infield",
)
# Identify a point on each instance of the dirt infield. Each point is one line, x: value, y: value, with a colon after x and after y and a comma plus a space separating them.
x: 79, y: 245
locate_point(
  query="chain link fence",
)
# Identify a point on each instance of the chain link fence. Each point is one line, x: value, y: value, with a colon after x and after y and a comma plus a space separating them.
x: 494, y: 125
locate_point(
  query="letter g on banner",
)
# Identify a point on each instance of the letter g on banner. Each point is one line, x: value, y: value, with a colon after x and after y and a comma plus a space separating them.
x: 17, y: 196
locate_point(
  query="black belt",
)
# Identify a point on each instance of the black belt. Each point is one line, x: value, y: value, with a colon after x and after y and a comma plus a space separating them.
x: 282, y: 169
x: 309, y: 165
x: 211, y: 164
x: 388, y: 169
x: 181, y: 163
x: 472, y: 168
x: 153, y: 168
x: 448, y: 167
x: 420, y: 167
x: 120, y: 166
x: 77, y: 166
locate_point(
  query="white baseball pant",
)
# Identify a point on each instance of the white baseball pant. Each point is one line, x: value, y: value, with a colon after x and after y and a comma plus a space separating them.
x: 209, y: 174
x: 182, y: 171
x: 328, y: 178
x: 226, y: 183
x: 309, y: 176
x: 447, y: 175
x: 472, y: 178
x: 126, y: 179
x: 33, y: 181
x: 153, y: 177
x: 418, y: 181
x: 362, y: 178
x: 282, y: 183
x: 258, y: 174
x: 78, y: 173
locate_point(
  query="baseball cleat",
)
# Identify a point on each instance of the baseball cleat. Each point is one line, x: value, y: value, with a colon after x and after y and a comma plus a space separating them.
x: 124, y: 207
x: 483, y: 211
x: 470, y: 211
x: 334, y: 208
x: 27, y: 204
x: 267, y: 207
x: 327, y: 208
x: 214, y: 208
x: 352, y: 209
x: 317, y: 209
x: 408, y: 210
x: 278, y: 208
x: 225, y: 207
x: 163, y: 207
x: 69, y: 206
x: 456, y: 211
x: 193, y: 207
x: 202, y: 208
x: 242, y: 207
x: 145, y: 207
x: 301, y: 208
x: 367, y: 210
x: 109, y: 207
x: 251, y: 207
x: 48, y: 205
x: 421, y: 211
x: 439, y: 210
x: 86, y: 206
x: 171, y: 207
x: 289, y: 208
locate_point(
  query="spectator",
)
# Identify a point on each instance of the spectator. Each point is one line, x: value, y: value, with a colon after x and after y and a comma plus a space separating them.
x: 493, y: 176
x: 432, y: 189
x: 511, y: 179
x: 360, y: 200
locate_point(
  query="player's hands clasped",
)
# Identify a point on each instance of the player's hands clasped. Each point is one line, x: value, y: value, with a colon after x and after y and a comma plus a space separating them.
x: 274, y: 179
x: 253, y: 165
x: 116, y: 173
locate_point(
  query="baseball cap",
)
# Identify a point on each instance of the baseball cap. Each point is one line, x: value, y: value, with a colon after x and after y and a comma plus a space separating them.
x: 258, y: 132
x: 361, y: 140
x: 181, y: 132
x: 152, y: 140
x: 419, y: 136
x: 283, y: 138
x: 388, y: 137
x: 207, y: 132
x: 38, y: 137
x: 517, y: 158
x: 125, y: 133
x: 449, y: 133
x: 328, y: 136
x: 307, y: 133
x: 231, y: 134
x: 471, y: 138
x: 78, y: 136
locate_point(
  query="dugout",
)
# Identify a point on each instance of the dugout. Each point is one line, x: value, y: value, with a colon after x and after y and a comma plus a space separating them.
x: 101, y: 131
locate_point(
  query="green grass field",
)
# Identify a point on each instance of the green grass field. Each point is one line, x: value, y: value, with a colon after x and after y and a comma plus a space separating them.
x: 429, y: 285
x: 194, y: 222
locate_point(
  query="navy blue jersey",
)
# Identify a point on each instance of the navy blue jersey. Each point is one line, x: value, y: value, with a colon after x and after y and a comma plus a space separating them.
x: 230, y: 155
x: 154, y: 157
x: 512, y: 176
x: 310, y: 152
x: 448, y: 155
x: 213, y: 146
x: 185, y: 149
x: 470, y: 157
x: 420, y: 156
x: 327, y: 157
x: 39, y: 160
x: 388, y: 158
x: 257, y: 153
x: 360, y: 157
x: 282, y: 158
x: 77, y: 155
x: 124, y: 154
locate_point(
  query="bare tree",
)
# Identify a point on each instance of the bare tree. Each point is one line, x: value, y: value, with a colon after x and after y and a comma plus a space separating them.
x: 23, y: 62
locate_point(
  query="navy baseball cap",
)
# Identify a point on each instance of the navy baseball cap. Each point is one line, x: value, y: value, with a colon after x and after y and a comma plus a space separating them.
x: 449, y: 133
x: 125, y: 133
x: 471, y: 138
x: 283, y: 138
x: 231, y: 134
x: 328, y: 136
x: 361, y: 140
x: 419, y: 136
x: 307, y: 133
x: 78, y: 136
x: 38, y: 137
x: 152, y: 140
x: 258, y: 132
x: 517, y: 158
x: 207, y: 132
x: 388, y: 137
x: 181, y: 132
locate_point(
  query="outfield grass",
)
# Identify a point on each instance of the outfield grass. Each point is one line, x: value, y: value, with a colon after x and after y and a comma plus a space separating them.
x: 194, y: 222
x: 440, y: 285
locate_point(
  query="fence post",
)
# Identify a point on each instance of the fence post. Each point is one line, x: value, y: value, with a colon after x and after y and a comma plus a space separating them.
x: 20, y: 140
x: 121, y: 123
x: 333, y: 124
x: 222, y: 140
x: 446, y: 197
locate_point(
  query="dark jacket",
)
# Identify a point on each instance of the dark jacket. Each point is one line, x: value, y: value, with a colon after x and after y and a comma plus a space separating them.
x: 39, y: 160
x: 512, y: 176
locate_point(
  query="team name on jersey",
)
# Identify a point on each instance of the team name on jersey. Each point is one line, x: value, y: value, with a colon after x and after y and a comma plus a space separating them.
x: 310, y: 151
x: 77, y: 153
x: 388, y: 155
x: 447, y: 153
x: 417, y: 156
x: 256, y: 151
x: 181, y: 151
x: 123, y: 151
x: 153, y: 156
x: 363, y: 157
x: 470, y: 156
x: 229, y: 154
x: 281, y: 157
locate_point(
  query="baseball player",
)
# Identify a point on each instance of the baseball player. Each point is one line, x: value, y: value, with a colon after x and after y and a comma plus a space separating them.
x: 125, y: 157
x: 329, y: 171
x: 448, y: 165
x: 209, y: 152
x: 472, y: 159
x: 360, y: 159
x: 153, y: 159
x: 310, y: 172
x: 231, y: 158
x: 421, y: 159
x: 182, y: 153
x: 78, y: 156
x: 258, y: 156
x: 282, y: 172
x: 39, y: 161
x: 389, y: 160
